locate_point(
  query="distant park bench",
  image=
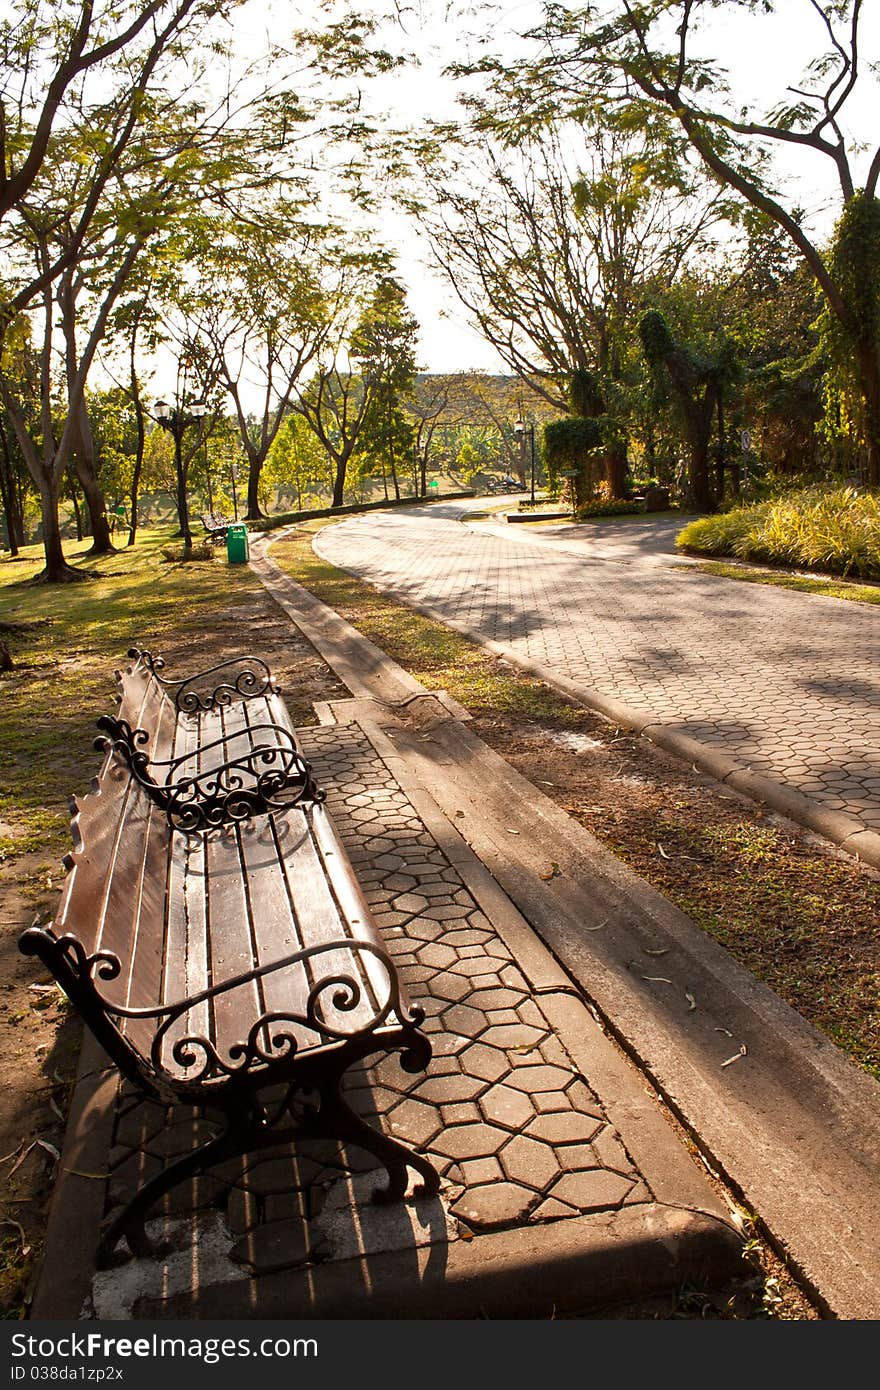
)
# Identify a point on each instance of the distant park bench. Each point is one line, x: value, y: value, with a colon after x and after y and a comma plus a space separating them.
x: 216, y: 525
x: 212, y: 932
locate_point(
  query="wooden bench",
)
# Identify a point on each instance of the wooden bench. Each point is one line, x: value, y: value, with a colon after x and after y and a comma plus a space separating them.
x: 236, y: 966
x: 216, y: 524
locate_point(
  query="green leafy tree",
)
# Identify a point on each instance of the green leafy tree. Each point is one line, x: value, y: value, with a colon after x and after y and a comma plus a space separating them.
x: 371, y: 371
x: 636, y: 63
x: 296, y: 465
x: 551, y: 241
x: 696, y: 381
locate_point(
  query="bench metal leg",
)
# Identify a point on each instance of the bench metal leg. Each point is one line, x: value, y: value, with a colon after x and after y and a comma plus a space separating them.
x: 248, y: 1130
x: 337, y: 1120
x: 129, y: 1224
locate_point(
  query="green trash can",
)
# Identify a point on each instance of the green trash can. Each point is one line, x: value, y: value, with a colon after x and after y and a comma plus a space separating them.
x: 237, y: 543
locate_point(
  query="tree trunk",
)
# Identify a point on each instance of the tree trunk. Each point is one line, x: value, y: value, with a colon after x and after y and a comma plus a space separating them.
x: 5, y: 658
x: 82, y: 440
x: 77, y: 513
x: 138, y: 463
x: 254, y: 512
x: 869, y: 374
x: 102, y: 541
x: 181, y: 497
x: 339, y: 482
x: 719, y: 471
x: 57, y: 570
x: 699, y: 495
x: 615, y: 470
x: 394, y: 476
x: 10, y: 497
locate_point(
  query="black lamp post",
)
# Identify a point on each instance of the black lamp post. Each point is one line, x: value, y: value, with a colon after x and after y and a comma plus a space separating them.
x: 521, y: 430
x: 176, y: 420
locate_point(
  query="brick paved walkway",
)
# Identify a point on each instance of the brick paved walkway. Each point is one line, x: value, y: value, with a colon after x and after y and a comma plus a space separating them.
x: 535, y: 1128
x: 785, y: 683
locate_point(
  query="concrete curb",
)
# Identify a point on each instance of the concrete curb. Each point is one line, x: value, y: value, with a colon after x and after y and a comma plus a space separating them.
x: 68, y: 1262
x: 536, y: 1273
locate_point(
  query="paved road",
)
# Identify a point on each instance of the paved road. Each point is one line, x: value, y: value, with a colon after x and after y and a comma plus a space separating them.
x: 785, y: 684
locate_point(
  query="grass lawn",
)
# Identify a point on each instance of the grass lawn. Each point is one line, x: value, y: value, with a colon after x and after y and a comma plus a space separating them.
x: 71, y: 638
x: 856, y: 591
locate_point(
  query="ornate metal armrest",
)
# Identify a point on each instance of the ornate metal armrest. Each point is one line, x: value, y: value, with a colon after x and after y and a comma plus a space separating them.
x: 270, y: 1039
x: 269, y: 776
x: 253, y: 678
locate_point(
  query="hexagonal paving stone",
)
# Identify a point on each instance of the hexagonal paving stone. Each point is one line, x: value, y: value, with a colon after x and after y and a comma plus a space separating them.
x: 447, y: 1089
x: 435, y: 890
x: 493, y: 999
x: 501, y: 1017
x: 463, y: 1112
x: 447, y: 912
x: 423, y: 929
x: 488, y: 1062
x: 610, y: 1152
x: 409, y: 902
x: 449, y: 987
x: 442, y: 957
x: 475, y: 1171
x: 392, y: 861
x: 275, y: 1175
x: 443, y: 1043
x: 505, y: 1106
x: 415, y: 1121
x: 538, y: 1078
x: 470, y: 1141
x: 460, y: 936
x: 552, y: 1210
x: 444, y: 1064
x: 471, y: 967
x: 494, y: 1204
x: 528, y: 1162
x: 565, y: 1127
x: 462, y: 1019
x: 397, y: 883
x: 581, y: 1097
x: 591, y: 1190
x: 513, y: 1035
x: 181, y: 1137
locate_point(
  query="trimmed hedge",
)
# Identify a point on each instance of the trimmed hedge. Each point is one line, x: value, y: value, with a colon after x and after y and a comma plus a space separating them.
x: 609, y: 507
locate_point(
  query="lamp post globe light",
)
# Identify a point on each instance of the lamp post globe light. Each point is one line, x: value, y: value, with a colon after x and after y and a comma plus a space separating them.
x: 176, y: 419
x: 522, y: 430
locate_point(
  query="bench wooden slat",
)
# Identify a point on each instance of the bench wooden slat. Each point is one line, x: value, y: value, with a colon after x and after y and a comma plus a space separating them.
x: 314, y: 903
x: 276, y: 929
x: 186, y: 959
x: 232, y: 946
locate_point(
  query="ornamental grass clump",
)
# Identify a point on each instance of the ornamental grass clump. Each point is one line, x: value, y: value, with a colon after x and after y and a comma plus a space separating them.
x: 836, y: 531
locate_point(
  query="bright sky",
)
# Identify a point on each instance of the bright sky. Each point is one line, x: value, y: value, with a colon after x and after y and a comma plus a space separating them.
x: 763, y: 54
